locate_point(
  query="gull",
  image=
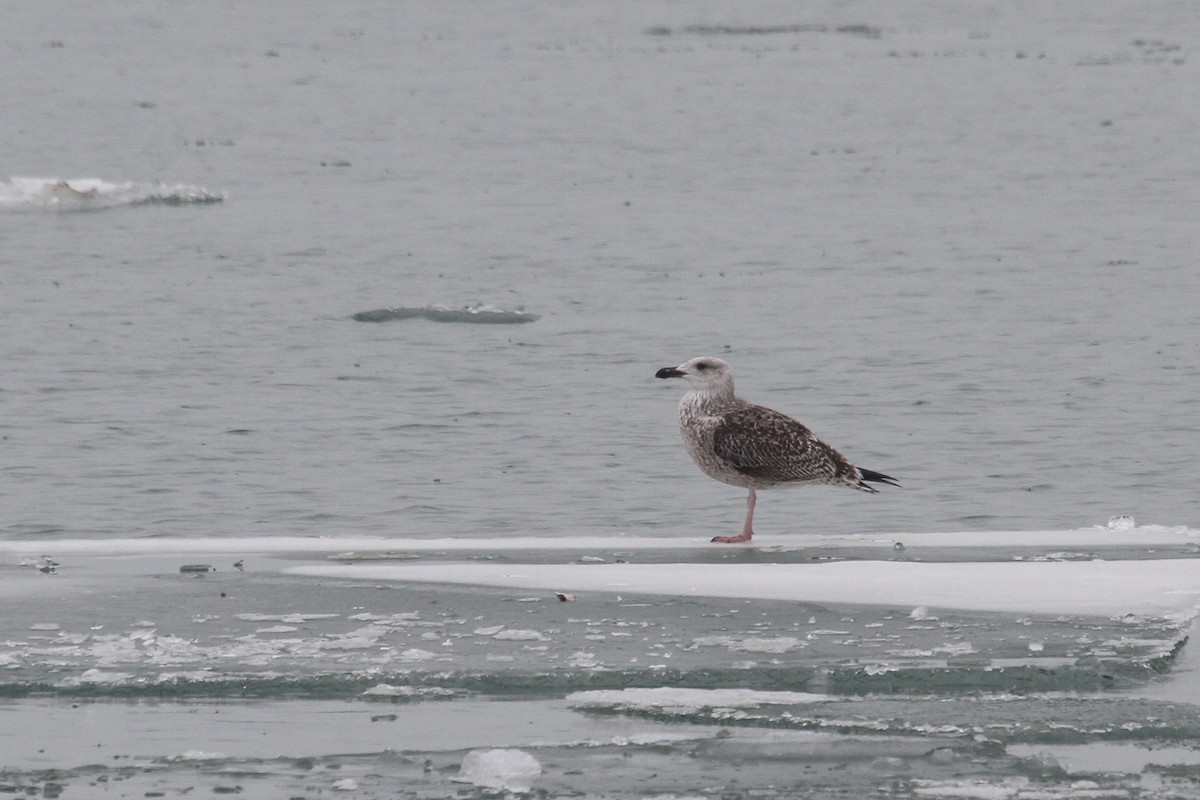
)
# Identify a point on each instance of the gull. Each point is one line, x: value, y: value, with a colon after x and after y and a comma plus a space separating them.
x: 751, y: 446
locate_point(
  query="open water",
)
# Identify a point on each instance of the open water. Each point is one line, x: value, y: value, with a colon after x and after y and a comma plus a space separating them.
x: 294, y: 270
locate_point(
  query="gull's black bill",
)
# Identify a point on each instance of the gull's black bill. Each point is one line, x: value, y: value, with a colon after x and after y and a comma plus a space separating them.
x: 668, y: 372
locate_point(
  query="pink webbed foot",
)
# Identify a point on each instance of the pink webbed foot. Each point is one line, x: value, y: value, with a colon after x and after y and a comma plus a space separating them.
x: 741, y: 537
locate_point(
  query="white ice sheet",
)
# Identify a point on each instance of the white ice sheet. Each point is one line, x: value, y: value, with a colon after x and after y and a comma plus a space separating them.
x: 1095, y: 537
x: 1105, y: 588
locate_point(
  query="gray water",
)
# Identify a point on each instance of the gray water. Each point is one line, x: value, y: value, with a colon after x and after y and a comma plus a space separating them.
x: 958, y: 241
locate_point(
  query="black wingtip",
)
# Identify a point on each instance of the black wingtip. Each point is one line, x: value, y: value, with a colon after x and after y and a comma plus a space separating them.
x: 879, y: 477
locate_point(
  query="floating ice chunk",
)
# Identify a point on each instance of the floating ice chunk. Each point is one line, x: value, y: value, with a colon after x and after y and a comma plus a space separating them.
x: 348, y: 643
x: 417, y: 654
x: 510, y: 770
x: 77, y: 194
x: 44, y: 626
x: 1121, y: 523
x: 973, y: 789
x: 478, y: 314
x: 583, y: 660
x: 921, y: 613
x: 345, y: 785
x: 291, y: 619
x: 97, y: 676
x: 779, y: 644
x: 384, y: 556
x: 388, y: 690
x: 520, y: 636
x: 686, y: 699
x: 490, y: 630
x: 713, y: 641
x: 879, y: 669
x: 198, y: 755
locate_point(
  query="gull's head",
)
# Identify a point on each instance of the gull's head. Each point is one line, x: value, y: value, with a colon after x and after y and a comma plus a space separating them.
x: 704, y: 373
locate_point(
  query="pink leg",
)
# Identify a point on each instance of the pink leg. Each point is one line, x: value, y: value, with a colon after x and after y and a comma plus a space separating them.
x: 747, y: 526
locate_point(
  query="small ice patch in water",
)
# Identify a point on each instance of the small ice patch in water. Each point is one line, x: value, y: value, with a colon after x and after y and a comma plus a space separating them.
x: 508, y: 770
x: 490, y: 630
x: 520, y: 636
x: 676, y: 698
x: 478, y: 314
x: 97, y: 676
x: 1121, y: 523
x: 417, y: 654
x: 583, y: 660
x: 388, y: 690
x: 980, y: 790
x: 291, y: 619
x: 778, y: 644
x: 198, y: 755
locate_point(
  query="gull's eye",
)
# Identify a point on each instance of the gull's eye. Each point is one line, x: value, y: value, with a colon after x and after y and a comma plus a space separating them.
x: 702, y: 366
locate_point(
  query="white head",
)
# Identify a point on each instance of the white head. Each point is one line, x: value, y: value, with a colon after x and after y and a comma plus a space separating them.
x: 705, y: 374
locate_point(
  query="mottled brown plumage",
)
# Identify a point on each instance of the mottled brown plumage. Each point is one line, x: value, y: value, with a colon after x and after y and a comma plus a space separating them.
x: 751, y: 446
x: 771, y: 449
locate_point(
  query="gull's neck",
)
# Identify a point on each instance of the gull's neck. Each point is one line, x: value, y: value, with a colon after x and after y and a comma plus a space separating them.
x: 709, y: 399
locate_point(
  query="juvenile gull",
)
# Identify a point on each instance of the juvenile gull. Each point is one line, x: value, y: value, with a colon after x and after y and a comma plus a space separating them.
x: 754, y: 447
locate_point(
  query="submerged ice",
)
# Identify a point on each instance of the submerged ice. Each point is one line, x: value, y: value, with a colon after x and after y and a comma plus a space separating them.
x: 767, y: 667
x: 478, y: 314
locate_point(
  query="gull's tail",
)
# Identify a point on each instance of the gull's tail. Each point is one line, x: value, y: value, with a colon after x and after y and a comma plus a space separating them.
x: 874, y: 477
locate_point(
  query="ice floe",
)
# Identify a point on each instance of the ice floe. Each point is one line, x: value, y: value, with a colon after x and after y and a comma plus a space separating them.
x: 507, y: 769
x: 1166, y: 587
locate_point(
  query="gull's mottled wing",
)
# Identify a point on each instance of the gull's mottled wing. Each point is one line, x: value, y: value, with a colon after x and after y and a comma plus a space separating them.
x: 769, y: 446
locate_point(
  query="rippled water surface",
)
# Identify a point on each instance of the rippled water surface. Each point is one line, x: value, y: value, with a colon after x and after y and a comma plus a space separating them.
x: 302, y: 270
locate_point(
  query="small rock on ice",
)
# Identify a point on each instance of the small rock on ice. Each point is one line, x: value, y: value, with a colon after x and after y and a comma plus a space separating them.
x: 510, y: 770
